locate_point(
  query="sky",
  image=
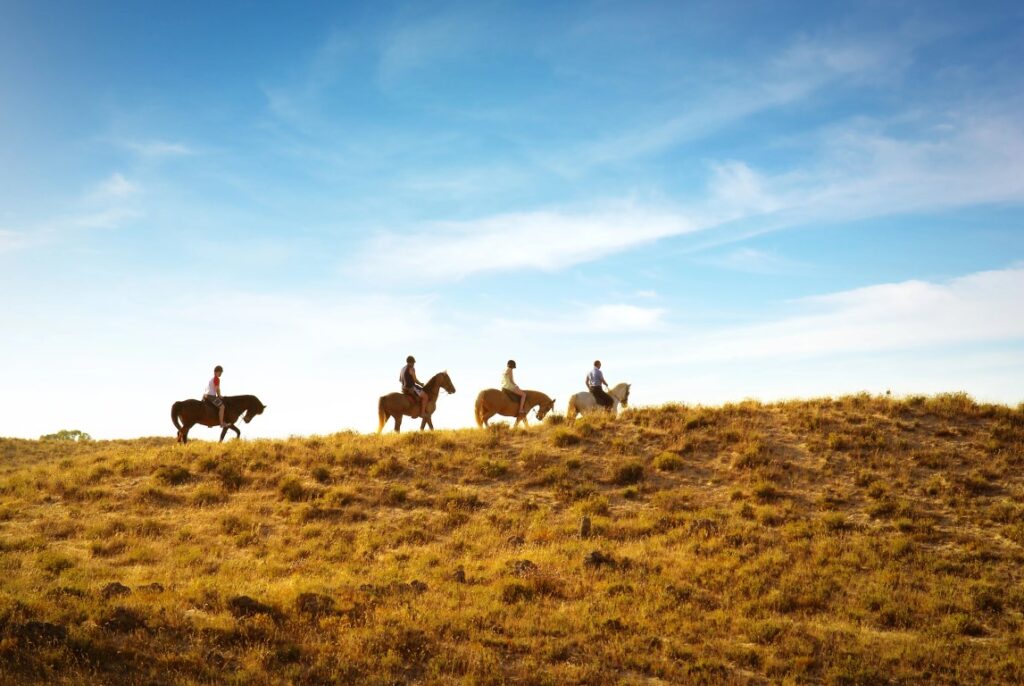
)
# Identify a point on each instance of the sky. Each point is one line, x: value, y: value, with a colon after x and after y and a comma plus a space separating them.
x: 720, y: 200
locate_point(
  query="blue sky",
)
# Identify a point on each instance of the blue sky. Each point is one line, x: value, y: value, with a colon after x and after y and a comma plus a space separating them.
x: 719, y: 200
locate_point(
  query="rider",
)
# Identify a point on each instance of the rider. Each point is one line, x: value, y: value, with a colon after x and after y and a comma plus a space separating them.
x: 595, y: 381
x: 509, y: 384
x: 411, y: 385
x: 212, y: 394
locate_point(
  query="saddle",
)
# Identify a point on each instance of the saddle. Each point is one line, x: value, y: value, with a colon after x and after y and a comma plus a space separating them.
x: 510, y: 395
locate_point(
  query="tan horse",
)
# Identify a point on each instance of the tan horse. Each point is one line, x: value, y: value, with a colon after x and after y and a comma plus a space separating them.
x: 398, y: 404
x: 492, y: 401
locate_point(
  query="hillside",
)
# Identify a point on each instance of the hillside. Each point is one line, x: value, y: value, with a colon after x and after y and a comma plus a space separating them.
x: 860, y: 540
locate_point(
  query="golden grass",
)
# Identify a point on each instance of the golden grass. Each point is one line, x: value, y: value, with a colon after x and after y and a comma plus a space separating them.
x: 859, y: 540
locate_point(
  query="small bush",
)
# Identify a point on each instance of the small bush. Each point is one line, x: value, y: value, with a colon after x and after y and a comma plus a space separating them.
x: 209, y: 494
x: 564, y: 438
x: 291, y: 489
x: 668, y: 462
x: 628, y: 474
x: 173, y: 475
x: 491, y: 469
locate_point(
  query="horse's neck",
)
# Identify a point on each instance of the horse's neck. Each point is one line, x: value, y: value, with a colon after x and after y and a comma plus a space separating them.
x: 433, y: 387
x: 536, y: 398
x: 618, y: 392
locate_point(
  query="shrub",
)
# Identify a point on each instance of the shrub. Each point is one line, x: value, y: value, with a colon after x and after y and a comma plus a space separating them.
x: 209, y: 494
x: 491, y: 469
x: 292, y: 489
x: 668, y: 462
x: 563, y: 438
x: 629, y: 473
x: 173, y: 475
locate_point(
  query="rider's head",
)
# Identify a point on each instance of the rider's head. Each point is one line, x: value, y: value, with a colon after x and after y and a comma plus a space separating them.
x: 597, y: 363
x: 410, y: 360
x: 512, y: 364
x: 218, y: 369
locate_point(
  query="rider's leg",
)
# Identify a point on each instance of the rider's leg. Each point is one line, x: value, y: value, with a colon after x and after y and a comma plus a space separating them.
x: 522, y: 403
x: 423, y: 403
x: 222, y: 424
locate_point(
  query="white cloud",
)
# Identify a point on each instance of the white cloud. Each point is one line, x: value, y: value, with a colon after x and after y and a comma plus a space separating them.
x: 159, y: 148
x: 13, y: 240
x: 754, y: 261
x: 977, y: 308
x: 114, y: 187
x: 807, y: 66
x: 599, y: 319
x: 532, y: 240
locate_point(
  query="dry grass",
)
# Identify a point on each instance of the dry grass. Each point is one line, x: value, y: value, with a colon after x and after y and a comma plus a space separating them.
x: 860, y: 540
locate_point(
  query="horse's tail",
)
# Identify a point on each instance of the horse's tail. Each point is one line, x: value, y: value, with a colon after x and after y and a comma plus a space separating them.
x: 382, y: 414
x: 478, y: 410
x: 174, y: 415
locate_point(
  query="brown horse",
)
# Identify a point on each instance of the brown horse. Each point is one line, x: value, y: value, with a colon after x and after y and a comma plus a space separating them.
x: 187, y: 413
x: 492, y: 401
x: 398, y: 404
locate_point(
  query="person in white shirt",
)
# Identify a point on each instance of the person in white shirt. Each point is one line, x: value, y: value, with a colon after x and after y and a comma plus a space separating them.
x: 595, y: 381
x: 509, y: 384
x: 213, y: 396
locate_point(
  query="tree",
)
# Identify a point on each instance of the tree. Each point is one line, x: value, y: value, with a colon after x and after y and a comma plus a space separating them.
x: 67, y: 435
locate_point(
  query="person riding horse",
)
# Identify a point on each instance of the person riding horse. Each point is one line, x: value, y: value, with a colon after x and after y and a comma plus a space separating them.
x: 595, y: 381
x: 509, y: 385
x: 213, y: 394
x: 411, y: 385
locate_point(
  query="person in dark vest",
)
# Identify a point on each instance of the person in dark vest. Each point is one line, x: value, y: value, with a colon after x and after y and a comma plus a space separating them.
x: 595, y: 383
x: 411, y: 384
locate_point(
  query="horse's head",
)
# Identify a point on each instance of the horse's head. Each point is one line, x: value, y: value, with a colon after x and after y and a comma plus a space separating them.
x: 256, y: 408
x: 621, y: 393
x: 446, y: 382
x: 544, y: 407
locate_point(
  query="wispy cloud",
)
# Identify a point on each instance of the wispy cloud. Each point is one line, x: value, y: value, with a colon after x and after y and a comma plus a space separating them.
x: 13, y: 240
x: 159, y: 148
x: 976, y: 308
x: 858, y: 171
x: 114, y: 187
x: 546, y: 240
x: 754, y: 261
x: 615, y: 318
x: 805, y: 67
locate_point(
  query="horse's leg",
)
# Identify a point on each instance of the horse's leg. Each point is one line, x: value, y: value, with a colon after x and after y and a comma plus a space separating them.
x: 184, y: 433
x: 398, y: 423
x: 238, y: 434
x: 223, y: 432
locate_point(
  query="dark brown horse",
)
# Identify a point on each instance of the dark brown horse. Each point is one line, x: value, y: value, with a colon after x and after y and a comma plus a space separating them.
x: 187, y: 413
x: 492, y: 401
x: 398, y: 404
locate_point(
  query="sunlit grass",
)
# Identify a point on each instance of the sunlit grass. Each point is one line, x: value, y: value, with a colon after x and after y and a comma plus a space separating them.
x: 854, y: 540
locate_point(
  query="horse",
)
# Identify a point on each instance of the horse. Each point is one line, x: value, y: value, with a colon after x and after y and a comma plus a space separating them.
x: 187, y: 413
x: 585, y: 403
x: 398, y: 404
x: 492, y: 401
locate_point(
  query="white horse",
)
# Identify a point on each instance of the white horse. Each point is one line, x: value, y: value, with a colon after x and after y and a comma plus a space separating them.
x: 585, y: 403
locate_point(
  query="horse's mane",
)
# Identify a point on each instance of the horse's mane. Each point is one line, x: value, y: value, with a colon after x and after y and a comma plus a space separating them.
x: 436, y: 378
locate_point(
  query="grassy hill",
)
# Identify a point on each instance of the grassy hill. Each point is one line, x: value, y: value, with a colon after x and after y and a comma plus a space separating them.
x: 861, y: 540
